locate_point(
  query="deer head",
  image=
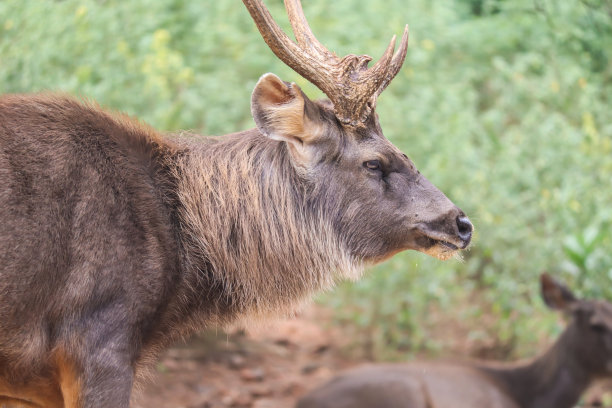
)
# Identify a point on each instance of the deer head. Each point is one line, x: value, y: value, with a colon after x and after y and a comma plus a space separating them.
x: 590, y: 327
x: 378, y: 200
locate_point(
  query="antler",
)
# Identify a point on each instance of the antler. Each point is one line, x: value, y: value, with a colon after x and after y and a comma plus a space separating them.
x: 348, y: 82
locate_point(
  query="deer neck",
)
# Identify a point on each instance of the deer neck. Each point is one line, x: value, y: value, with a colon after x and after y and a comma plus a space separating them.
x: 556, y: 379
x: 255, y: 236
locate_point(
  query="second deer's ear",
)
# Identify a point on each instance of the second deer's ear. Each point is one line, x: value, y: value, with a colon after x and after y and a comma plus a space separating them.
x: 281, y: 112
x: 555, y: 294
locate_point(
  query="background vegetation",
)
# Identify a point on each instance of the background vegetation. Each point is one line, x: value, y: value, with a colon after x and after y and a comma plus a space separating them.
x: 505, y: 105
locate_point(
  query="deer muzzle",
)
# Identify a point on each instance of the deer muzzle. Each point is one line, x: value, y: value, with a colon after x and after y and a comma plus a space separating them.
x: 445, y: 236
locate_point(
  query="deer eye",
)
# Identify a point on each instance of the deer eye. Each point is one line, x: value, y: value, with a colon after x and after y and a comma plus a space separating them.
x: 598, y: 328
x: 372, y: 164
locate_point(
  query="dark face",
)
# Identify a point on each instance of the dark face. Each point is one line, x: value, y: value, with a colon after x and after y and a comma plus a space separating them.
x: 378, y: 201
x: 592, y: 323
x: 588, y: 337
x: 384, y: 204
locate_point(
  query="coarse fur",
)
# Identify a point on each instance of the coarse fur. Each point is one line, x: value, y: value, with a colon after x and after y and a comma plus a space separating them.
x: 88, y: 249
x: 280, y: 243
x: 116, y: 240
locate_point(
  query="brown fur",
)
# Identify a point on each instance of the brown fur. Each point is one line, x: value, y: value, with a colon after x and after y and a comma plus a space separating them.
x: 69, y: 380
x: 88, y: 232
x: 270, y: 224
x: 38, y: 392
x: 117, y: 241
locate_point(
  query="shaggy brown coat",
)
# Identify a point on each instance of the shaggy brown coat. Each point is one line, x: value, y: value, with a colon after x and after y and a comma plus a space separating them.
x: 115, y: 240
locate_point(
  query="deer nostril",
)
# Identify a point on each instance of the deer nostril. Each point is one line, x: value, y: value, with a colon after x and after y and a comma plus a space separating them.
x: 465, y: 229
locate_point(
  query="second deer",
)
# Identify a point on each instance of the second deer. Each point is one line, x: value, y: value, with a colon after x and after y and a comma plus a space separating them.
x: 555, y: 379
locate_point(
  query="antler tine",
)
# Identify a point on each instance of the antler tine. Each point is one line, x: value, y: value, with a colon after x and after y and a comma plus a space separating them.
x: 364, y: 84
x: 382, y: 66
x: 281, y: 45
x: 302, y: 31
x: 347, y: 81
x: 396, y: 62
x: 375, y: 76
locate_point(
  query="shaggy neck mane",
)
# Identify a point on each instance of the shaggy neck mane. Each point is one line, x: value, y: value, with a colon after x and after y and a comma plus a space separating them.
x: 256, y: 237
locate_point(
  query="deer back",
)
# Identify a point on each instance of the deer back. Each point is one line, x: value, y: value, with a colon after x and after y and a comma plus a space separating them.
x: 418, y: 385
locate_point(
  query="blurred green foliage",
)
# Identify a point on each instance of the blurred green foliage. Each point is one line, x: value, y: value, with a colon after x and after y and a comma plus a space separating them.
x: 504, y: 105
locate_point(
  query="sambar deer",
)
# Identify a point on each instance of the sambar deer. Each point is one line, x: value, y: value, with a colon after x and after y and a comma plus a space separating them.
x: 555, y: 379
x: 115, y: 240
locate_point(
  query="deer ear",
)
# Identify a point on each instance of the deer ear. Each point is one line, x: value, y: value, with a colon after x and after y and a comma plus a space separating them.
x: 555, y: 294
x: 282, y: 112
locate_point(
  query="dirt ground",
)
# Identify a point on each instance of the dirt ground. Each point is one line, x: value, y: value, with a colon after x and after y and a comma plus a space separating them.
x: 268, y: 368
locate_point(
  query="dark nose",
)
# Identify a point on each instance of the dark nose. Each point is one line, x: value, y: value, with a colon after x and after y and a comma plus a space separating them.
x: 465, y: 228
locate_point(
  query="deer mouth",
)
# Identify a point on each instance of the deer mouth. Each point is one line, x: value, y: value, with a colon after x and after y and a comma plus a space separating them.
x: 447, y: 244
x: 442, y: 238
x: 441, y: 249
x: 438, y: 246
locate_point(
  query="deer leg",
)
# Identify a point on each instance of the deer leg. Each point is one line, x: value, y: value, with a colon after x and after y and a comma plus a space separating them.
x: 102, y: 379
x: 106, y: 386
x: 94, y: 368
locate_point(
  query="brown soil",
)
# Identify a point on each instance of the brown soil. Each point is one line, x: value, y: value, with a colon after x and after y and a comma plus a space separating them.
x: 268, y: 368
